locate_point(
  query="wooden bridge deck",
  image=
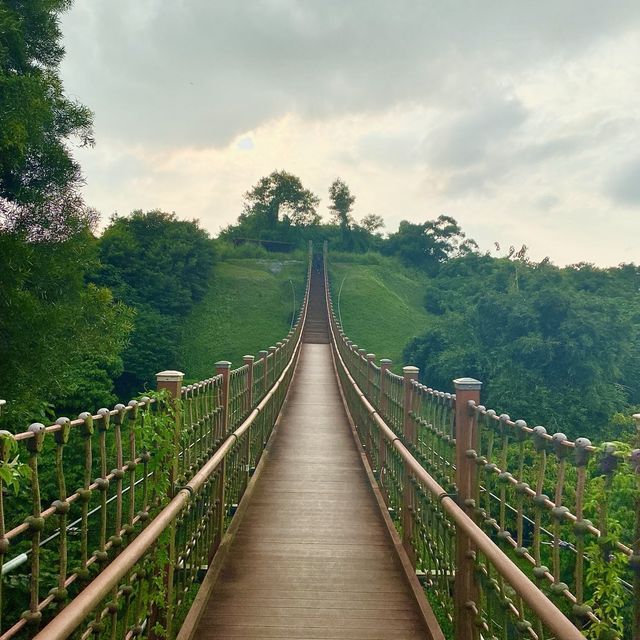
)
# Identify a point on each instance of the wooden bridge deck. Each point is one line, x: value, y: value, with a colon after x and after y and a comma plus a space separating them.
x: 312, y: 557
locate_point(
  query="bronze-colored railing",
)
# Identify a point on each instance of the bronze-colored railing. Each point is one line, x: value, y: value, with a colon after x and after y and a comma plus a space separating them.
x: 448, y: 468
x: 159, y: 481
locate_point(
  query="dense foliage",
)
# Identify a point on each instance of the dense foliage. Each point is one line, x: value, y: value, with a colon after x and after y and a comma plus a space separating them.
x: 556, y: 346
x: 428, y: 245
x: 60, y: 339
x: 160, y: 266
x: 38, y: 176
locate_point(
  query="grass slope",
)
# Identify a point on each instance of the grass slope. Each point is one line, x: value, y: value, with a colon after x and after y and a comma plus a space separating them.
x: 381, y: 305
x: 248, y: 307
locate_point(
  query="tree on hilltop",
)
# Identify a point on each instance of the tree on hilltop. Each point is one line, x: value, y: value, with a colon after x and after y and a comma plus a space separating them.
x: 341, y: 205
x: 372, y: 223
x: 429, y: 244
x: 278, y: 197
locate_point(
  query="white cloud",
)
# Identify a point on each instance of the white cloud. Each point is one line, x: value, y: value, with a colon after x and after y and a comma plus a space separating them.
x: 471, y: 136
x: 625, y: 184
x: 519, y: 119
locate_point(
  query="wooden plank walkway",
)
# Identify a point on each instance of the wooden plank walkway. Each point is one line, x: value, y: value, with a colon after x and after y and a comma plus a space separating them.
x: 312, y: 557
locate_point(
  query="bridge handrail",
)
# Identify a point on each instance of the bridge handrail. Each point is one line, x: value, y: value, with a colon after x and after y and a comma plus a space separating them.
x: 206, y: 416
x: 424, y: 507
x: 537, y: 601
x: 63, y: 626
x: 515, y: 462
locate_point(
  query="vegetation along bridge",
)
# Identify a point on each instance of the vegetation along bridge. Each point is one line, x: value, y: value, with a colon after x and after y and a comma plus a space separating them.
x: 312, y: 493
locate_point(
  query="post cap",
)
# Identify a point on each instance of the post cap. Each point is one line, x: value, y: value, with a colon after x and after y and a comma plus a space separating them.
x: 248, y: 358
x: 467, y: 383
x: 169, y: 376
x: 636, y: 417
x: 371, y: 356
x: 272, y: 348
x: 263, y: 352
x: 409, y: 370
x: 223, y: 364
x: 385, y: 361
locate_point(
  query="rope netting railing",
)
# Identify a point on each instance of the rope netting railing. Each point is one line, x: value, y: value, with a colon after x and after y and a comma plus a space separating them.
x: 562, y: 514
x: 137, y: 497
x: 568, y: 509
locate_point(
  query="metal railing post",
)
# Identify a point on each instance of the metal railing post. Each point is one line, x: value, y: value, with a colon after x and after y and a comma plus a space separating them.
x: 273, y: 352
x: 265, y: 363
x: 466, y: 433
x: 278, y: 357
x: 410, y: 374
x: 636, y: 544
x: 370, y: 358
x: 408, y: 424
x: 354, y: 357
x: 385, y: 365
x: 223, y: 368
x: 362, y: 359
x: 171, y: 381
x: 248, y: 360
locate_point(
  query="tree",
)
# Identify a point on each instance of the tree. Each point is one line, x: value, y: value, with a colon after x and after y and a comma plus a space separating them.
x: 280, y: 194
x: 341, y: 205
x: 160, y: 266
x: 553, y: 346
x: 39, y: 179
x: 60, y: 340
x: 156, y: 259
x: 372, y: 223
x: 429, y: 244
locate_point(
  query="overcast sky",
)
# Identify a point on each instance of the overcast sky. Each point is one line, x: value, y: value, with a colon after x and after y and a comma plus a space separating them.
x: 519, y: 119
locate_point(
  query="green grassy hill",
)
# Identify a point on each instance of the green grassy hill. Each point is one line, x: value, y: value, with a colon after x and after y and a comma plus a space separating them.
x: 381, y: 305
x: 250, y: 302
x: 248, y: 307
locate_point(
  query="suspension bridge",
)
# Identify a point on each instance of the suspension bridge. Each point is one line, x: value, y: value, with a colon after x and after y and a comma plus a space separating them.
x: 310, y: 493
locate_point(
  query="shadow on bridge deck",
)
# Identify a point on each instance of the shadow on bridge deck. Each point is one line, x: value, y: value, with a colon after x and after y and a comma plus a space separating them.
x: 312, y: 556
